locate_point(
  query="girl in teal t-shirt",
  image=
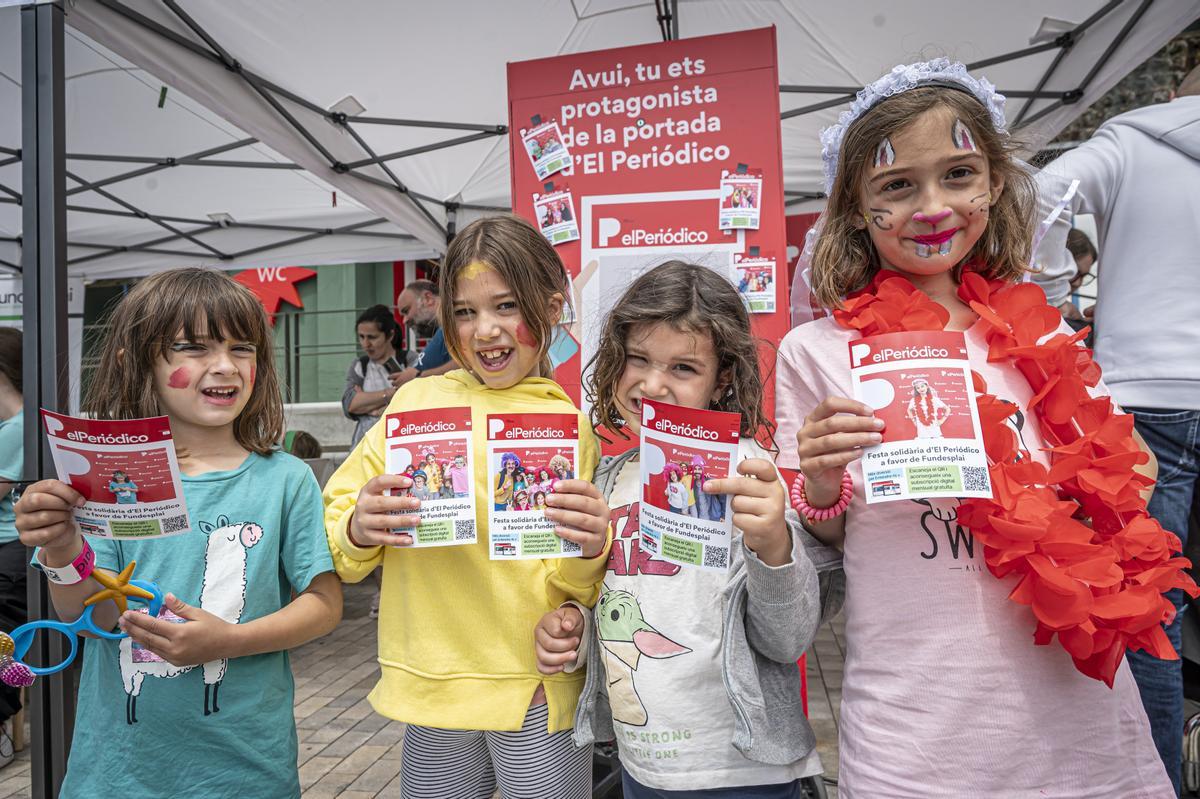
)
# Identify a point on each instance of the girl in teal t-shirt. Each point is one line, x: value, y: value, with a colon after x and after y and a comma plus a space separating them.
x: 197, y: 702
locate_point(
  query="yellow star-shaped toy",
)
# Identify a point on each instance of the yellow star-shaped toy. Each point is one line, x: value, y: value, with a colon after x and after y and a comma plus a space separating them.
x: 117, y: 588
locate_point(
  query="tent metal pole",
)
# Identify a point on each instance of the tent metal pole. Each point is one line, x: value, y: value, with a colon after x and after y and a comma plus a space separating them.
x: 15, y: 195
x: 45, y: 370
x: 170, y: 162
x: 674, y: 4
x: 421, y: 123
x: 808, y: 109
x: 425, y: 148
x: 152, y: 217
x: 388, y: 171
x: 1114, y: 44
x: 1014, y: 55
x: 165, y: 163
x: 309, y: 237
x: 1068, y: 43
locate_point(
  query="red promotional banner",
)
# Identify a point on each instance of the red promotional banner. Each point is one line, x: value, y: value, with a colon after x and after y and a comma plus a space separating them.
x: 669, y: 150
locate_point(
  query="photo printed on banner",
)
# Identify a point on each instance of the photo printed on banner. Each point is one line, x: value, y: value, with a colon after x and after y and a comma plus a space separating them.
x: 546, y: 149
x: 555, y: 214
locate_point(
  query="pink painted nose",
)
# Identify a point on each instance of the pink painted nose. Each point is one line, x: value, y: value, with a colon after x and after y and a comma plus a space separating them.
x: 931, y: 220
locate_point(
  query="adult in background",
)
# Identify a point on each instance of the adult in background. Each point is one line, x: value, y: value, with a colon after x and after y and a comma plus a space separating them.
x: 418, y: 306
x: 13, y: 555
x: 1140, y: 176
x: 369, y: 386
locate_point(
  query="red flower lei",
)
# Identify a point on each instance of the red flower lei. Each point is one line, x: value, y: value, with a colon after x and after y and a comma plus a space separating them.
x: 925, y: 410
x: 1099, y: 587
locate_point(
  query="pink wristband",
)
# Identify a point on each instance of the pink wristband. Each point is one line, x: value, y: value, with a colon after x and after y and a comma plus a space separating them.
x: 800, y: 501
x: 74, y: 572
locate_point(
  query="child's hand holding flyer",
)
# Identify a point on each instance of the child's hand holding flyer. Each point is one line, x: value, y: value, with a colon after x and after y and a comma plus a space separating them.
x: 433, y: 449
x: 920, y: 385
x: 681, y: 449
x: 127, y: 471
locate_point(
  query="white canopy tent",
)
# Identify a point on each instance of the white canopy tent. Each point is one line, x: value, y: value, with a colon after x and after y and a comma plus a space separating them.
x: 428, y: 151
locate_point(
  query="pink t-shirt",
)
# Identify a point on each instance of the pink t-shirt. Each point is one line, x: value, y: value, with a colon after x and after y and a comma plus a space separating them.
x: 945, y: 694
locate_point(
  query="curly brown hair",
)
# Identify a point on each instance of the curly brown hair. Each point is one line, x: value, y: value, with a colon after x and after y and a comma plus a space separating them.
x: 691, y: 299
x: 845, y: 260
x: 148, y: 320
x: 527, y: 263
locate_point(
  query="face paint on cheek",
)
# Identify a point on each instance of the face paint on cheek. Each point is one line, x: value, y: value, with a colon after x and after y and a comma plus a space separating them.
x: 960, y: 134
x: 524, y: 336
x: 179, y: 378
x: 885, y: 154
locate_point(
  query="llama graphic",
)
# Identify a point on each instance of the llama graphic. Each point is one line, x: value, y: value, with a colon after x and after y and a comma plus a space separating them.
x: 625, y: 636
x: 223, y: 595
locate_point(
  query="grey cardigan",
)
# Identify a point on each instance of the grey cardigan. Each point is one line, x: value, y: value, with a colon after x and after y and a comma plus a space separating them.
x: 771, y: 617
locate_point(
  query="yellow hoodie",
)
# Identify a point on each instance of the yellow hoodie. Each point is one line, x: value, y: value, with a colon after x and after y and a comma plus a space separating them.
x: 456, y: 629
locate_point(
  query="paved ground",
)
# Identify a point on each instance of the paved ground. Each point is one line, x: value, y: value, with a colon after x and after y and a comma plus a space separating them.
x: 348, y: 751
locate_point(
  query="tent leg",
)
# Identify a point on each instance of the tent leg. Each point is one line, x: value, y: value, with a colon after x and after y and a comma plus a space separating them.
x: 44, y: 268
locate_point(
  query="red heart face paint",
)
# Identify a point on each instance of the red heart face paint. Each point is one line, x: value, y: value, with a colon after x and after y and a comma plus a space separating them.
x: 524, y: 336
x: 179, y: 378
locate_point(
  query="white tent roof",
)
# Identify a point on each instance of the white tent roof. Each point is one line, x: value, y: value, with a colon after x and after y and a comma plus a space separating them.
x: 410, y: 64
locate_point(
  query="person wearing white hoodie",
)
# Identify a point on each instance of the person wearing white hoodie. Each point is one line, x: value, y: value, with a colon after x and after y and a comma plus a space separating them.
x: 1140, y: 176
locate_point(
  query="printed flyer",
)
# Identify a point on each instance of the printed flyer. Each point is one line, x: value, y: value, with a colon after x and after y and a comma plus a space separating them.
x: 547, y: 153
x: 527, y: 454
x: 741, y: 201
x: 555, y: 212
x: 756, y: 282
x: 433, y: 447
x: 681, y: 448
x: 127, y: 471
x: 920, y: 385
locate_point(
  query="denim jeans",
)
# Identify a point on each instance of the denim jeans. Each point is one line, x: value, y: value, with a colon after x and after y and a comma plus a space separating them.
x: 1174, y: 437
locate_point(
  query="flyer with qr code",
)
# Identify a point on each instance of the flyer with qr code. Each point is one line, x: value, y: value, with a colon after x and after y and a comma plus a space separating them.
x: 681, y: 449
x: 547, y: 153
x: 527, y: 455
x: 756, y: 282
x: 555, y: 212
x: 433, y: 448
x: 920, y: 385
x: 127, y: 471
x: 741, y: 200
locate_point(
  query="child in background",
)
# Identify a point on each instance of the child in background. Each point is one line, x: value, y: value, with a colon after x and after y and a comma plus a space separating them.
x: 195, y: 345
x: 453, y: 624
x: 519, y: 481
x: 433, y: 474
x: 922, y: 190
x: 709, y: 656
x: 458, y: 478
x: 502, y: 491
x: 539, y: 500
x: 521, y: 500
x: 676, y: 491
x: 124, y: 489
x: 420, y: 486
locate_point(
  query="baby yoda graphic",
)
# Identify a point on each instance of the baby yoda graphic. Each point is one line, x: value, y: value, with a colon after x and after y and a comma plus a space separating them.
x: 626, y: 636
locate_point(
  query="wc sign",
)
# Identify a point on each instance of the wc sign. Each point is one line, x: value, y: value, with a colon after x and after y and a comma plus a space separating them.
x: 275, y: 284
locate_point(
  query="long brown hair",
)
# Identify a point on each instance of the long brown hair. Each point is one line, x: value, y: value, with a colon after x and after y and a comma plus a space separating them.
x: 526, y: 262
x: 147, y: 321
x: 692, y: 299
x: 845, y: 260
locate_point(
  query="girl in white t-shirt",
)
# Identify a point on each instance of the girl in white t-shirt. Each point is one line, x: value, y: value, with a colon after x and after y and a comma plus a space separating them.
x: 677, y: 492
x: 928, y: 226
x: 694, y: 672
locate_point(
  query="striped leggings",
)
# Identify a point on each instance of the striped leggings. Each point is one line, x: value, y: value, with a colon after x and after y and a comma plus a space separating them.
x: 470, y: 764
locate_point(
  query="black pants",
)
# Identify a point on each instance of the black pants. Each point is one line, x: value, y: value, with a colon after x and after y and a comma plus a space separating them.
x: 14, y: 562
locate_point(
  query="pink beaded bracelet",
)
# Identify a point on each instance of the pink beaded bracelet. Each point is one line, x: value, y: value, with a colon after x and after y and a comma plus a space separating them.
x: 800, y: 502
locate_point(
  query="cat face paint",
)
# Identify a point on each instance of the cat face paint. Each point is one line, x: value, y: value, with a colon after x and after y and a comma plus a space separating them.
x: 885, y: 154
x: 960, y: 134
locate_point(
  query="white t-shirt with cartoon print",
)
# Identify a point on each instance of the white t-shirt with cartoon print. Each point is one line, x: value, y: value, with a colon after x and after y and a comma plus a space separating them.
x: 945, y: 694
x: 660, y: 632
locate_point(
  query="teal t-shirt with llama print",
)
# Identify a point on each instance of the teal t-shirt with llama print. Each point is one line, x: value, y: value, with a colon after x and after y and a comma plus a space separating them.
x: 145, y: 728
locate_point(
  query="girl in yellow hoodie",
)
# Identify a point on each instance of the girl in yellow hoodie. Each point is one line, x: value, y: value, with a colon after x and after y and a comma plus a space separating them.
x: 454, y: 643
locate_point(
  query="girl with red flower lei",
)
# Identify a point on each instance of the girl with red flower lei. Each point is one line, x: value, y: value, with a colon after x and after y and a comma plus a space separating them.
x: 925, y: 410
x: 952, y: 687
